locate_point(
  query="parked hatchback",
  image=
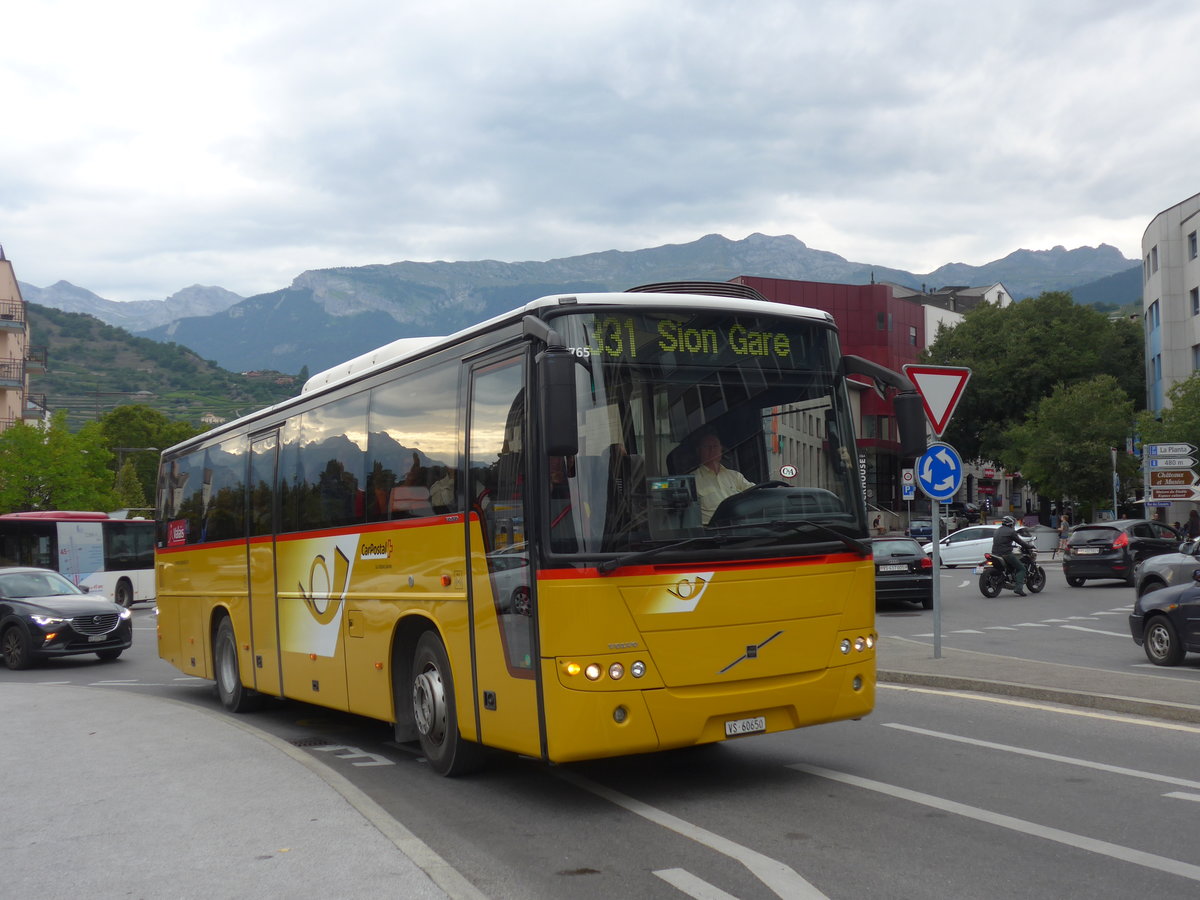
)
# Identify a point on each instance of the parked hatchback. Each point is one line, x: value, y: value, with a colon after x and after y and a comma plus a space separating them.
x: 1113, y: 549
x: 902, y: 571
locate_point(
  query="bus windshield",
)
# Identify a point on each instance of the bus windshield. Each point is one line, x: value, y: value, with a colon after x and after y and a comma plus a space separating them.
x: 704, y: 427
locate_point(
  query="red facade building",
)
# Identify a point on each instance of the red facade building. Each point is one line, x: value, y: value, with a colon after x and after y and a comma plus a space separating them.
x: 877, y: 326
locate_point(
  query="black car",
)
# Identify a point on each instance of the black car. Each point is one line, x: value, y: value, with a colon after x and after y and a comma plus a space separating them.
x: 1112, y: 549
x: 43, y: 615
x: 903, y: 571
x: 1166, y: 623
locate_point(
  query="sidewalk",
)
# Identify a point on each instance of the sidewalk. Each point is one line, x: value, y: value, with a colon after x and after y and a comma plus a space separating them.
x: 118, y: 794
x: 906, y: 661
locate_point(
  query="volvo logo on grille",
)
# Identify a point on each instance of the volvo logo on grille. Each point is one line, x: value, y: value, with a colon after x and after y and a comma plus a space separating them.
x: 751, y: 652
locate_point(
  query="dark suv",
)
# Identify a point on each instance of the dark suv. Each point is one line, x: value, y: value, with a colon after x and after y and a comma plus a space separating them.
x: 1112, y: 549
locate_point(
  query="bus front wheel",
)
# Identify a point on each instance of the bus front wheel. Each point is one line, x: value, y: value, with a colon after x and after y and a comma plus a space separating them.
x: 435, y: 711
x: 124, y: 593
x: 234, y: 695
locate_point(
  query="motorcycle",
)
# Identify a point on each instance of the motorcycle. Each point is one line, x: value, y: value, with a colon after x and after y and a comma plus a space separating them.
x: 994, y: 575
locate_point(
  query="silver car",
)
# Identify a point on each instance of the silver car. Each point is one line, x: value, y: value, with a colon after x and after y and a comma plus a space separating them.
x: 1167, y: 569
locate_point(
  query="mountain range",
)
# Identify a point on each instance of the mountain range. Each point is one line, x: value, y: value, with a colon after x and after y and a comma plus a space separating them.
x: 329, y: 315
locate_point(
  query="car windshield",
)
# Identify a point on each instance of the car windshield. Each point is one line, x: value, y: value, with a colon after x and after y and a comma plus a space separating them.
x: 17, y: 585
x: 661, y: 395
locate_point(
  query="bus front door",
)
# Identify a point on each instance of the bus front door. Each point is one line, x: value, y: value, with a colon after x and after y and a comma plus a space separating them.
x: 503, y: 615
x: 264, y: 620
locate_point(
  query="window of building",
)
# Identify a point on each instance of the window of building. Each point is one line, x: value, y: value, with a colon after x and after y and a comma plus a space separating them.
x: 1152, y: 316
x: 1192, y: 245
x: 1153, y: 259
x: 880, y: 321
x: 1195, y: 295
x: 912, y: 335
x: 1195, y: 357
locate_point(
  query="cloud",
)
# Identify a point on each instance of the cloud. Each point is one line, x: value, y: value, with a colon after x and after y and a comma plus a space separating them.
x: 154, y: 146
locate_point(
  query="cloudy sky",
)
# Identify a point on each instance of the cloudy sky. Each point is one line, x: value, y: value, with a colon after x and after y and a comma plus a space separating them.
x: 148, y: 146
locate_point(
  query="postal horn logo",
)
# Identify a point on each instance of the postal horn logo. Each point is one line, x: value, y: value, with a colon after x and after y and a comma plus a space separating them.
x: 684, y: 595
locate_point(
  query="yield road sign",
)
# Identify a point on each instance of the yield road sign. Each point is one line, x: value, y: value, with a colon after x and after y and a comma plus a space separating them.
x: 940, y: 388
x: 939, y: 472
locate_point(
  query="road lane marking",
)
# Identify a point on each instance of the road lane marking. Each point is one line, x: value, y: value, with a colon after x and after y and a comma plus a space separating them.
x: 780, y: 878
x: 1027, y: 704
x: 685, y: 881
x: 1095, y: 631
x: 1051, y: 757
x: 999, y: 628
x: 341, y: 751
x: 1021, y: 826
x: 1180, y: 795
x: 1032, y: 625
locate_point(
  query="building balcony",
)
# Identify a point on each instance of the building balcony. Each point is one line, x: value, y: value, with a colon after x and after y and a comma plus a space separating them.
x: 12, y: 315
x: 12, y: 373
x: 36, y: 361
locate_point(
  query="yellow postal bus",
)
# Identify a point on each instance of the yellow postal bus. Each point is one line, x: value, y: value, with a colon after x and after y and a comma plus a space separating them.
x: 496, y: 539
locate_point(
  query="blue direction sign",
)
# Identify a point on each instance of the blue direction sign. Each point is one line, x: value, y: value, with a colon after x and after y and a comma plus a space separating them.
x: 939, y: 472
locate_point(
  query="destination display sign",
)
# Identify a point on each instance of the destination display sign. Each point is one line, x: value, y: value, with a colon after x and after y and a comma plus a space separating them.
x: 703, y: 338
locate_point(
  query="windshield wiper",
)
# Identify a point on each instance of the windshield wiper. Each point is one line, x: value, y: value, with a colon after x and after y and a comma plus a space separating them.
x: 629, y: 559
x: 860, y: 547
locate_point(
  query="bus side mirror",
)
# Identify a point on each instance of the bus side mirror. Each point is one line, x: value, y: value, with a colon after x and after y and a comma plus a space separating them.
x: 556, y: 390
x: 910, y: 421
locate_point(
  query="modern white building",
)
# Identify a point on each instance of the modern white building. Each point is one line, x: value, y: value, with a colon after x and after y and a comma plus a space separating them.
x: 1171, y: 299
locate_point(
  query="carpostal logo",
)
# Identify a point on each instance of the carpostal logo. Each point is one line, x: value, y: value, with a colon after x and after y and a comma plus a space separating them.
x: 683, y: 596
x: 375, y: 550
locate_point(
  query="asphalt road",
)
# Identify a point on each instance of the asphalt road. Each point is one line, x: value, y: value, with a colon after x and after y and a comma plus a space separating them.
x: 935, y: 795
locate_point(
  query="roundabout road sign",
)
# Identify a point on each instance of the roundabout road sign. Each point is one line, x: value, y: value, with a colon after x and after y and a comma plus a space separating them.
x: 939, y: 472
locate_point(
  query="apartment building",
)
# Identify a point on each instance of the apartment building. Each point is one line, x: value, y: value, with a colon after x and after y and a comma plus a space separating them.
x: 1171, y: 299
x: 17, y: 357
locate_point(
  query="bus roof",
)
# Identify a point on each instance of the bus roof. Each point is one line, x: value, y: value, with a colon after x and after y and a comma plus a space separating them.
x: 404, y: 348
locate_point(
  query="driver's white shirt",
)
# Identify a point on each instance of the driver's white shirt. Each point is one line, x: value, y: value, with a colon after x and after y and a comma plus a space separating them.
x: 713, y: 487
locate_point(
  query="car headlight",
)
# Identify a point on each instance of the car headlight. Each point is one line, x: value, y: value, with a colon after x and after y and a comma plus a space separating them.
x: 126, y: 613
x: 48, y: 620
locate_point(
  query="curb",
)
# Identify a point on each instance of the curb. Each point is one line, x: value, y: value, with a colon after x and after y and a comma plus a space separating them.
x: 1175, y: 712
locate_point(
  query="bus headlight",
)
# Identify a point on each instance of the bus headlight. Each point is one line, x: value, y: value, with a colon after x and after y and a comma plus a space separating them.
x: 616, y: 671
x: 638, y: 669
x: 592, y: 672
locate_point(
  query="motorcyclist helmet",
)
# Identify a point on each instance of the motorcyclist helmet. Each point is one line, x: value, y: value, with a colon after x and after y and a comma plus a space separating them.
x: 1009, y: 521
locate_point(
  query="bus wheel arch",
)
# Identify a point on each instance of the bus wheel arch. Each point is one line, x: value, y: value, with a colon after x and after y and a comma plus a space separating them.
x: 433, y: 709
x: 234, y: 695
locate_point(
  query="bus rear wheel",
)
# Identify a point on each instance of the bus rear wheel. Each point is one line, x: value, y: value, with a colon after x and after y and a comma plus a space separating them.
x: 435, y: 711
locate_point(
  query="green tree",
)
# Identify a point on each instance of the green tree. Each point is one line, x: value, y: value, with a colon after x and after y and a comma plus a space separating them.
x: 136, y: 434
x: 128, y: 489
x: 51, y: 468
x: 1019, y: 354
x: 1064, y: 448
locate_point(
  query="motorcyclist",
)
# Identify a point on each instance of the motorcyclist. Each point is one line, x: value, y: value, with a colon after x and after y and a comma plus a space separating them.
x: 1004, y: 542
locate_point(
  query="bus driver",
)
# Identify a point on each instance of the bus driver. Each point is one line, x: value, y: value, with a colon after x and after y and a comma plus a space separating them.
x: 715, y: 482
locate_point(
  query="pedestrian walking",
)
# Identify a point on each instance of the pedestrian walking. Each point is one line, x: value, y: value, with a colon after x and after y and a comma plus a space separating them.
x: 1064, y: 526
